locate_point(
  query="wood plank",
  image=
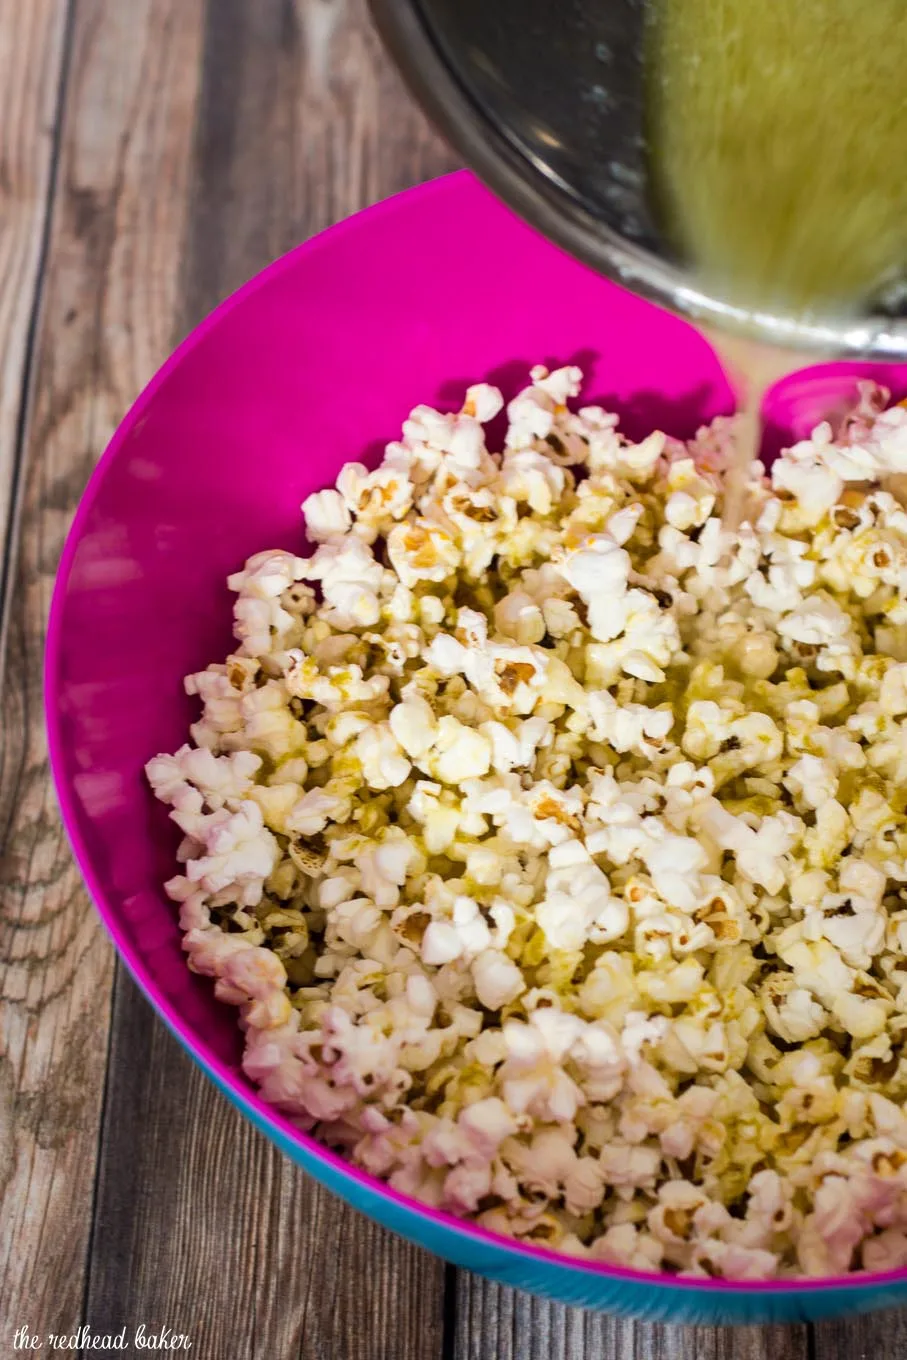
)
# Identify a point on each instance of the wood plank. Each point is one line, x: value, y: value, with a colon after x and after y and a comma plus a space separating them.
x: 32, y: 53
x: 200, y: 1224
x: 107, y: 319
x: 303, y: 122
x: 493, y: 1321
x: 882, y: 1336
x: 721, y: 1343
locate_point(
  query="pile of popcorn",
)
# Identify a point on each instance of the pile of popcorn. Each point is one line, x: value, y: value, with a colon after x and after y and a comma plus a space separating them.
x: 552, y: 838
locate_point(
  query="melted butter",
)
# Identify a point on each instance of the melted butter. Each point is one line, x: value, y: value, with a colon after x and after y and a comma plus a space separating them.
x: 777, y: 131
x: 753, y: 368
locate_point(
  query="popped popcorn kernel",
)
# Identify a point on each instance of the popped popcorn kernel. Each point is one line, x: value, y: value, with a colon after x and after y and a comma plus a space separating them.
x: 552, y: 840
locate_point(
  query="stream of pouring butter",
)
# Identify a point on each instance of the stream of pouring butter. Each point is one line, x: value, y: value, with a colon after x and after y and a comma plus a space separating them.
x: 753, y: 368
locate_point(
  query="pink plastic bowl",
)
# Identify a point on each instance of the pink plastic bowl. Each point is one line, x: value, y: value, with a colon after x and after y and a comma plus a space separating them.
x: 314, y: 363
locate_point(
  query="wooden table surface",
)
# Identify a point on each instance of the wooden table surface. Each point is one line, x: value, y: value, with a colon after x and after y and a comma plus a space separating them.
x: 153, y: 155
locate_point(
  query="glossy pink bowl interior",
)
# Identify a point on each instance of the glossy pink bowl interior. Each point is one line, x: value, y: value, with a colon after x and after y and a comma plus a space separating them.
x: 314, y: 363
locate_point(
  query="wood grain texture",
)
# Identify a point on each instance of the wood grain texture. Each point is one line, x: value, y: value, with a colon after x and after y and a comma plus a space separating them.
x: 496, y: 1323
x: 303, y: 122
x: 107, y: 317
x: 200, y: 1224
x: 720, y: 1343
x: 880, y: 1336
x: 32, y: 50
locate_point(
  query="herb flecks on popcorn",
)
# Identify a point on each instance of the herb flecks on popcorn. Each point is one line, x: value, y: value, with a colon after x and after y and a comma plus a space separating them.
x: 552, y: 841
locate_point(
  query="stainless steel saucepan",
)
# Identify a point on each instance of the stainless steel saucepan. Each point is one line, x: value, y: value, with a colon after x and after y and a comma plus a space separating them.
x: 544, y: 99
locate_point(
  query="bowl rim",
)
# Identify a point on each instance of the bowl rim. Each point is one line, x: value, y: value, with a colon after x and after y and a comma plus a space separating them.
x: 455, y: 183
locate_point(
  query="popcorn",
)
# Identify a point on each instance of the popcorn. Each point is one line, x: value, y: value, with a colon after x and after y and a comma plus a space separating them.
x: 498, y: 980
x: 235, y: 853
x: 326, y: 516
x: 578, y: 903
x: 267, y: 575
x: 421, y: 551
x: 178, y: 779
x: 631, y: 727
x: 791, y: 1012
x: 383, y: 869
x: 311, y: 814
x: 816, y: 621
x: 515, y: 747
x: 414, y: 725
x: 458, y: 753
x: 384, y: 765
x: 548, y: 836
x: 813, y: 780
x: 260, y: 620
x: 465, y: 935
x: 376, y: 498
x: 350, y: 578
x: 533, y: 1078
